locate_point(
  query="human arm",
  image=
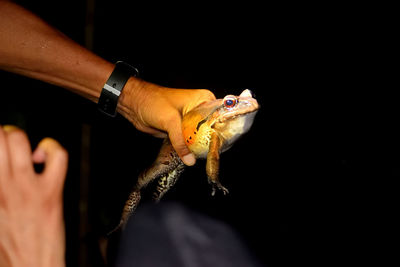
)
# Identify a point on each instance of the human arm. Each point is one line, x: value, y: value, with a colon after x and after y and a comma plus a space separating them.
x: 31, y: 210
x: 31, y: 47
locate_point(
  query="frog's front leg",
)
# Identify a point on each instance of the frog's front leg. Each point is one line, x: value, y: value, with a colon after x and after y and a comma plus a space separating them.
x: 212, y: 166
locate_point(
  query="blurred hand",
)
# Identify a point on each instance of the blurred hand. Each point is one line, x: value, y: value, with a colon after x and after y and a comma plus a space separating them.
x: 31, y: 209
x: 159, y: 110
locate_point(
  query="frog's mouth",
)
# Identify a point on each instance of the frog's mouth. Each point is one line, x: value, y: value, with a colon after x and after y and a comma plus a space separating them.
x: 242, y: 121
x: 237, y: 124
x: 248, y: 109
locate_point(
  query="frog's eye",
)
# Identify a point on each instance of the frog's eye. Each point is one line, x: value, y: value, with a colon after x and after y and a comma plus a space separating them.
x: 230, y: 101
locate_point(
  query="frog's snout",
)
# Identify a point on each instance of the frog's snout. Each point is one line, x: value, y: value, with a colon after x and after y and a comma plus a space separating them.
x: 248, y: 93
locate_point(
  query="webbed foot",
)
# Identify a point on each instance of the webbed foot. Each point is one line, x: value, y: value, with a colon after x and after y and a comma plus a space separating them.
x: 219, y: 186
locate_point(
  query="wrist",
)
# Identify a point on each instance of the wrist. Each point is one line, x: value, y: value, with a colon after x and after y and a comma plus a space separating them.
x: 134, y: 93
x: 112, y: 89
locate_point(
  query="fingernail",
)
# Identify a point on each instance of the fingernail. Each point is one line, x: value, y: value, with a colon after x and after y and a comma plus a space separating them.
x: 189, y: 159
x: 9, y: 128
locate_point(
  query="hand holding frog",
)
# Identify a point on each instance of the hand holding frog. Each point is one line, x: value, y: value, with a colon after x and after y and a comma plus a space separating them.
x: 208, y: 128
x: 159, y: 110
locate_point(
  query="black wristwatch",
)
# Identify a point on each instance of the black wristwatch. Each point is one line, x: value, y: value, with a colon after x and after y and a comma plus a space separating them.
x: 113, y: 87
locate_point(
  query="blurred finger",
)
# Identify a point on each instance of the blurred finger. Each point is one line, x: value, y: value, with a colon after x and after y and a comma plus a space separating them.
x: 19, y: 150
x: 39, y: 156
x: 55, y: 159
x: 4, y: 161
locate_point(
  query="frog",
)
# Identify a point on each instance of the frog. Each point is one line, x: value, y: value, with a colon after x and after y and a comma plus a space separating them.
x: 209, y: 129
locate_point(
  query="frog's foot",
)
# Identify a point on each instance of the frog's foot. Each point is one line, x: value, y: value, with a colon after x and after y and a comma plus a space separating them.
x: 129, y: 208
x: 219, y: 186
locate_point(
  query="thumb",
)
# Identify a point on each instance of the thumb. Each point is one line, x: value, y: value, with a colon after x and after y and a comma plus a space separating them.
x: 55, y: 159
x: 178, y: 143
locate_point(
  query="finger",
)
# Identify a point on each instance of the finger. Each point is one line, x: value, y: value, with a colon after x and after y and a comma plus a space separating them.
x: 197, y: 97
x: 55, y: 158
x: 154, y: 132
x: 160, y: 135
x: 178, y: 142
x: 39, y: 156
x: 4, y: 160
x: 19, y: 150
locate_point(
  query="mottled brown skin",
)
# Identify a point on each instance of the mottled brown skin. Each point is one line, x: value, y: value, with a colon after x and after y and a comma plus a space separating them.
x: 209, y: 129
x: 167, y: 168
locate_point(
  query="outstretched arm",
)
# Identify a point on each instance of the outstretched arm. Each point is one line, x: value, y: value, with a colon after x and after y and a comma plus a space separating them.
x: 31, y: 47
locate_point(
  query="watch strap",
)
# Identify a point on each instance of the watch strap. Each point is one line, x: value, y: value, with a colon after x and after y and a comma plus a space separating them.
x: 112, y: 89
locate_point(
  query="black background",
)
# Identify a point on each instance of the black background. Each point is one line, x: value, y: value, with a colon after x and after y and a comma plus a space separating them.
x: 303, y: 182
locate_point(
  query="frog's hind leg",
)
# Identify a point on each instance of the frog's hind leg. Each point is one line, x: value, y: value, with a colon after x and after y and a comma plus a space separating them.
x: 167, y: 161
x: 167, y: 181
x: 129, y: 207
x: 166, y: 165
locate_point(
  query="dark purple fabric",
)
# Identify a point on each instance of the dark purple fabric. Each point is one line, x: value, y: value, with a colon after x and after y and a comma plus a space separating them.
x: 169, y: 234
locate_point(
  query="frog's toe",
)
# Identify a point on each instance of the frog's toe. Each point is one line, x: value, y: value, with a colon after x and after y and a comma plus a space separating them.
x: 219, y: 186
x: 213, y: 190
x: 224, y: 190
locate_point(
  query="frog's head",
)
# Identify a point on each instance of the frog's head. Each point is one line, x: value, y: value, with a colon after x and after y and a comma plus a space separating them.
x: 233, y: 107
x: 229, y: 117
x: 235, y: 115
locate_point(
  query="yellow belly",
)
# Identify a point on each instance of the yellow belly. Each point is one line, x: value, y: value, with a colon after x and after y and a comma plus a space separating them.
x: 199, y: 143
